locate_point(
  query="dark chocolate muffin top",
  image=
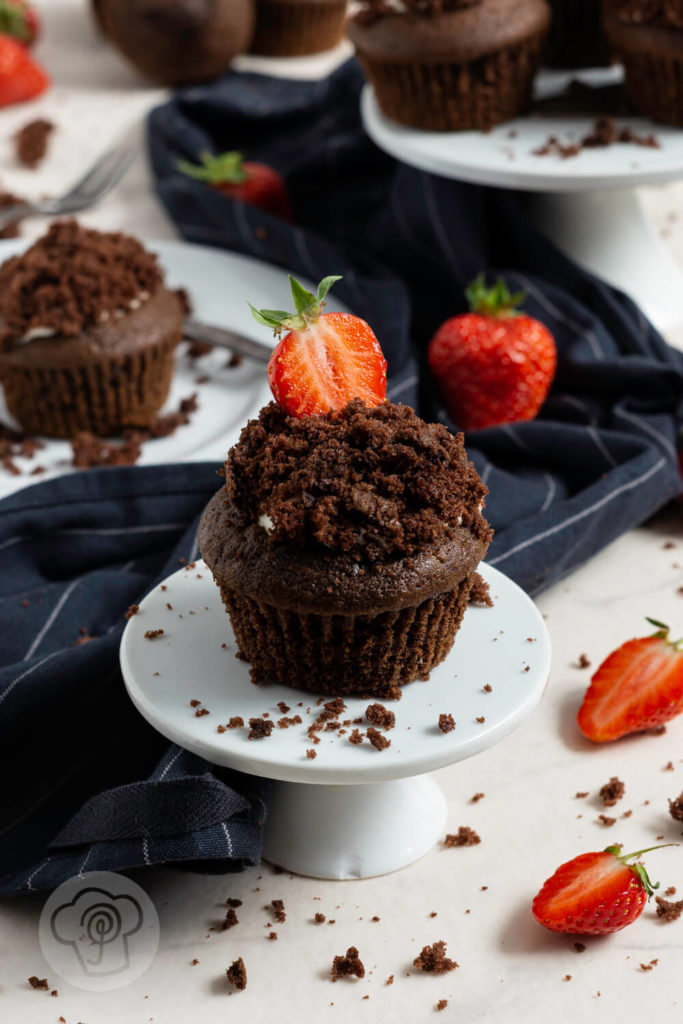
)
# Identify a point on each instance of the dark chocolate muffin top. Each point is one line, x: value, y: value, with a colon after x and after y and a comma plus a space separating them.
x: 73, y: 279
x: 374, y: 483
x: 370, y: 10
x: 658, y: 13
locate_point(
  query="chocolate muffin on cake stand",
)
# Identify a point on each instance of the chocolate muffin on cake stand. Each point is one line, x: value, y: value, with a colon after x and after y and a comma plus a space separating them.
x: 351, y: 810
x: 585, y: 203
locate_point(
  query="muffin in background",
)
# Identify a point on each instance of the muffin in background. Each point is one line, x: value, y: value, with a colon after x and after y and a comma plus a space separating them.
x: 451, y: 65
x: 647, y: 36
x: 87, y: 333
x: 576, y: 37
x: 297, y: 28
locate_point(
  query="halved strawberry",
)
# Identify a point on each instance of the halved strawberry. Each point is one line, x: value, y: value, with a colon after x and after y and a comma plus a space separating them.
x: 325, y: 359
x: 638, y: 687
x: 594, y: 894
x: 19, y: 19
x: 21, y: 77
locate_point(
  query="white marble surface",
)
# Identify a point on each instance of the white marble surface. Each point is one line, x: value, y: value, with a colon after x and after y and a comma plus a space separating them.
x: 529, y: 819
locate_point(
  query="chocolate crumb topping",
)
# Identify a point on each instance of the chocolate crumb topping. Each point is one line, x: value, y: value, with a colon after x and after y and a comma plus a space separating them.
x: 377, y: 483
x: 605, y: 820
x: 345, y: 966
x: 153, y: 634
x: 442, y: 1004
x: 31, y: 142
x: 233, y: 902
x: 612, y: 791
x: 446, y: 723
x: 380, y: 716
x: 378, y: 740
x: 465, y: 836
x: 667, y: 910
x: 356, y: 736
x: 278, y: 908
x: 480, y: 593
x: 676, y: 808
x: 237, y: 974
x: 230, y: 920
x: 236, y: 722
x: 433, y: 959
x: 71, y: 280
x: 133, y: 609
x: 260, y: 728
x: 36, y: 982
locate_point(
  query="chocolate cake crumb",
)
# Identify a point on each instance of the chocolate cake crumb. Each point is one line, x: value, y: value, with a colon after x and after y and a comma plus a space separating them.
x: 465, y: 836
x: 356, y: 736
x: 230, y: 920
x: 627, y: 814
x: 480, y: 592
x: 579, y: 947
x: 612, y: 791
x: 72, y: 278
x: 153, y: 634
x: 605, y: 820
x: 580, y: 795
x: 676, y: 808
x: 284, y: 723
x: 567, y: 977
x: 378, y: 740
x: 237, y: 974
x: 283, y: 708
x: 604, y: 132
x: 193, y: 963
x: 668, y: 767
x: 667, y: 910
x: 260, y: 729
x: 319, y: 918
x: 232, y: 901
x: 442, y: 1004
x: 433, y: 959
x: 480, y: 719
x: 347, y: 965
x: 375, y: 918
x: 310, y: 753
x: 90, y: 451
x: 477, y: 797
x: 335, y: 707
x: 272, y: 936
x: 390, y: 980
x: 201, y: 712
x: 36, y: 982
x: 446, y: 723
x: 30, y: 142
x: 194, y: 703
x: 671, y: 891
x: 583, y: 661
x: 132, y: 610
x: 278, y: 908
x: 487, y: 688
x: 380, y: 716
x: 236, y: 722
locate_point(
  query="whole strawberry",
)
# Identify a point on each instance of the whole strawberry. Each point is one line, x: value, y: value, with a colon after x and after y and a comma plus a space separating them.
x: 21, y: 77
x: 493, y: 365
x: 639, y: 686
x: 324, y: 359
x: 594, y: 894
x: 19, y: 19
x: 253, y: 183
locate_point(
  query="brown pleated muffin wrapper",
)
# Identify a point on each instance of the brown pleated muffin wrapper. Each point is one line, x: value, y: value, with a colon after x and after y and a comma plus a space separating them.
x: 457, y: 97
x: 294, y: 30
x: 654, y: 84
x: 361, y: 655
x: 101, y: 397
x: 576, y: 37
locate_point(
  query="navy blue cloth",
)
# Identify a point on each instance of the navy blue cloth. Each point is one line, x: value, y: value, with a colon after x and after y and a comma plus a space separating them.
x: 599, y: 459
x: 87, y: 784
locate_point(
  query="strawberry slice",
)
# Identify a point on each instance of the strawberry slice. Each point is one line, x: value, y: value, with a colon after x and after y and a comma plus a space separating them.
x: 594, y: 893
x: 325, y: 359
x: 638, y: 687
x: 21, y: 77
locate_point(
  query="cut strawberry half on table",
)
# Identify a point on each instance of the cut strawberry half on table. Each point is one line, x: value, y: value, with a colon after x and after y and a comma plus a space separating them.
x: 638, y: 687
x: 20, y: 20
x: 325, y: 359
x: 21, y: 77
x: 595, y: 893
x: 248, y: 181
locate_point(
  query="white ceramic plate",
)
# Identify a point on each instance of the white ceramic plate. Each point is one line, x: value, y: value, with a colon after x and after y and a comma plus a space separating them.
x: 506, y: 646
x: 219, y: 283
x: 505, y: 156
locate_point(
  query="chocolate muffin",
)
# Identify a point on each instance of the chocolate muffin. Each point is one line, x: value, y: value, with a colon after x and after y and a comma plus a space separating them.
x: 175, y: 42
x: 576, y: 37
x: 647, y: 35
x: 87, y: 333
x: 295, y: 28
x: 345, y: 546
x: 451, y: 65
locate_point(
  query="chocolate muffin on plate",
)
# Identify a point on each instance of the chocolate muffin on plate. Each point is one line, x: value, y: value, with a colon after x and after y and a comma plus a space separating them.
x: 296, y: 28
x: 345, y: 541
x: 647, y: 36
x: 88, y: 333
x: 450, y: 65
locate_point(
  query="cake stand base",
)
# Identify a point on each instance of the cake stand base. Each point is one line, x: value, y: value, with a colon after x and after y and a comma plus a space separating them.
x: 353, y: 831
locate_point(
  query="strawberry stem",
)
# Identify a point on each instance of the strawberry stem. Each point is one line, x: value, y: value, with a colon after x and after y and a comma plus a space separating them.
x: 497, y: 301
x: 639, y: 869
x: 13, y: 21
x: 307, y: 305
x: 218, y: 169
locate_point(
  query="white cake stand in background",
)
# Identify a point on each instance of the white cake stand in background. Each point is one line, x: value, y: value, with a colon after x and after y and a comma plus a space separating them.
x: 353, y: 811
x: 586, y: 204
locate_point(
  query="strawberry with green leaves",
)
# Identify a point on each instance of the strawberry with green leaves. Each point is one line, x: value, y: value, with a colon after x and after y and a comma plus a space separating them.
x: 247, y: 181
x: 323, y: 360
x: 639, y: 686
x: 21, y: 77
x: 494, y: 364
x: 594, y: 893
x: 19, y: 19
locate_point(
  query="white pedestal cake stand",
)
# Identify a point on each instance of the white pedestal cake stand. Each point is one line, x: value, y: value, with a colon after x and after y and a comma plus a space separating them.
x: 352, y: 811
x: 586, y: 204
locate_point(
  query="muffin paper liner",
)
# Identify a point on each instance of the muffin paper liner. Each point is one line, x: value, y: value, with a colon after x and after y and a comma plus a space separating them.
x: 346, y: 654
x: 101, y: 397
x: 293, y: 30
x: 654, y: 84
x: 455, y: 96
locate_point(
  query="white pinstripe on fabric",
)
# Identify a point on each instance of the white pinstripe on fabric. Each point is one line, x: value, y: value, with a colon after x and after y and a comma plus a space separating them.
x: 649, y: 429
x: 37, y: 871
x: 51, y: 619
x: 172, y: 761
x: 601, y: 446
x: 145, y: 850
x: 8, y: 689
x: 438, y: 224
x: 550, y: 306
x: 578, y: 404
x: 115, y: 531
x: 398, y: 389
x: 552, y: 490
x: 228, y: 839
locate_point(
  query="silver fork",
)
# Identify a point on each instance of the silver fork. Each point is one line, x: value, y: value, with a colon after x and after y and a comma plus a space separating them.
x: 101, y: 178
